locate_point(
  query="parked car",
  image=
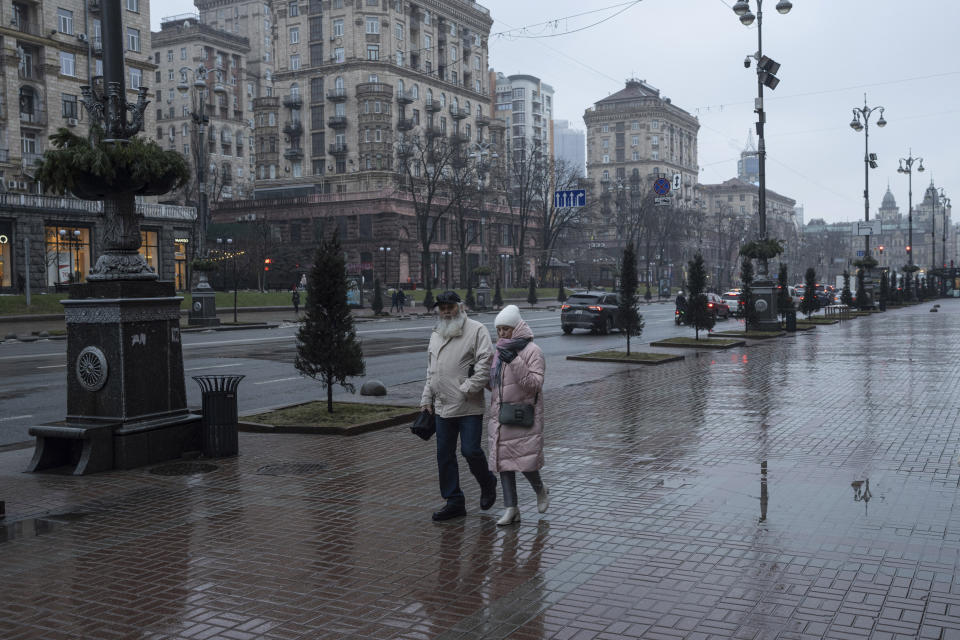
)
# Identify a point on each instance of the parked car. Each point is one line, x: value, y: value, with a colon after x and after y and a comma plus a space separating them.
x: 717, y: 306
x: 732, y: 298
x: 594, y: 310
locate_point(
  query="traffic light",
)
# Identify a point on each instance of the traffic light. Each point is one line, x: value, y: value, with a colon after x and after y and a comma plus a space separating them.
x: 266, y: 264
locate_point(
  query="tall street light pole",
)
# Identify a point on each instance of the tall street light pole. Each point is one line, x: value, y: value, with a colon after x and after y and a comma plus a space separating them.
x: 944, y: 205
x: 233, y: 257
x: 766, y: 76
x: 906, y: 166
x: 861, y: 122
x: 200, y: 121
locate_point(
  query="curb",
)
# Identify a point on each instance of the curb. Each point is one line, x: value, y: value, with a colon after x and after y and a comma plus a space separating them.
x: 352, y: 430
x: 680, y: 345
x: 734, y: 334
x: 255, y: 325
x: 649, y: 363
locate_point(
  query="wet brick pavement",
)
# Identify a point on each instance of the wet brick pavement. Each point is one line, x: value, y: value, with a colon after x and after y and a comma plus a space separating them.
x: 798, y: 488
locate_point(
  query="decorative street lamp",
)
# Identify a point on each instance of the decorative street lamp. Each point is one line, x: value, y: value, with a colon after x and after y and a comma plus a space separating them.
x: 766, y: 76
x: 233, y: 256
x: 861, y: 122
x: 200, y: 121
x: 906, y: 166
x: 944, y: 205
x: 72, y: 240
x: 482, y: 153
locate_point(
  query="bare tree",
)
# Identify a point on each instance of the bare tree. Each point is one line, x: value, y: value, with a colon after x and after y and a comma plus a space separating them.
x: 425, y: 170
x: 556, y: 221
x: 520, y: 180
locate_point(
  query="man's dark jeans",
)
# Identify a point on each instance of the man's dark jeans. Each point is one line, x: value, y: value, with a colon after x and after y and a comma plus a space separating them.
x: 470, y: 430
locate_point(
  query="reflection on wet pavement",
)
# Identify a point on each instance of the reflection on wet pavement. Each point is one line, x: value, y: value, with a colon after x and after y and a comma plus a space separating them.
x: 803, y: 487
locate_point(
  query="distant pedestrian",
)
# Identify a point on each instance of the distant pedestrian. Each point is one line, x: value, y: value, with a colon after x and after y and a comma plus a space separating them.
x: 296, y: 301
x: 516, y: 377
x: 394, y: 301
x: 401, y: 299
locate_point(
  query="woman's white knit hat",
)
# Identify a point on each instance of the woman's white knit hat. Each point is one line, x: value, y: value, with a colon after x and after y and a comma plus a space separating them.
x: 509, y: 316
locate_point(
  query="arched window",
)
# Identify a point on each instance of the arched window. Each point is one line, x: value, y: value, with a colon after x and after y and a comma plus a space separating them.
x: 295, y: 90
x: 416, y: 91
x: 443, y: 99
x: 455, y: 104
x: 429, y: 95
x: 400, y: 86
x: 338, y: 83
x: 479, y: 110
x: 466, y: 106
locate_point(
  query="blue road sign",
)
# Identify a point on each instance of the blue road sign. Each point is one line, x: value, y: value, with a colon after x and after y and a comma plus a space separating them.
x: 661, y: 187
x: 570, y: 198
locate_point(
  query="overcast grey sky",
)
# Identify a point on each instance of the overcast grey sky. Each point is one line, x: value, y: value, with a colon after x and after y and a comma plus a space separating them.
x: 831, y: 52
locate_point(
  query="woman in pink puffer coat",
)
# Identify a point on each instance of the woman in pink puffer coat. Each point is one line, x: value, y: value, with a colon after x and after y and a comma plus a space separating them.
x: 517, y: 373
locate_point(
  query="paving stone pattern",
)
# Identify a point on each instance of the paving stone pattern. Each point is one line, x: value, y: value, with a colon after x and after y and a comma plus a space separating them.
x: 798, y: 488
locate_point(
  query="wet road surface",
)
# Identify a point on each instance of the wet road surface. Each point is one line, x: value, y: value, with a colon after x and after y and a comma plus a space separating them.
x: 803, y: 487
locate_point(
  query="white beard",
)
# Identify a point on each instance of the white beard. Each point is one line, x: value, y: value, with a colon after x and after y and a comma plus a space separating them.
x: 451, y: 328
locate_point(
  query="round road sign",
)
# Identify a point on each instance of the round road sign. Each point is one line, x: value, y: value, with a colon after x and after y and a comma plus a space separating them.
x: 661, y: 187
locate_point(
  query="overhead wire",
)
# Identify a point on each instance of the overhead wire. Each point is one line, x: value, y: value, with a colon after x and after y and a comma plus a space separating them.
x: 626, y: 6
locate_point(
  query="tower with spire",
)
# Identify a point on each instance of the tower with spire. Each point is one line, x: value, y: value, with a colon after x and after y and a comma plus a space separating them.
x: 748, y: 166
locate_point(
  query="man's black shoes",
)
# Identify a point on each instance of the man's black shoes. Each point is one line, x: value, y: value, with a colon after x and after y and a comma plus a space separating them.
x: 488, y: 494
x: 449, y: 511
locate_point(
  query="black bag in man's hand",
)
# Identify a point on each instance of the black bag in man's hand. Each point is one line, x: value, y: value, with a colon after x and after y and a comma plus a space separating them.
x: 425, y: 425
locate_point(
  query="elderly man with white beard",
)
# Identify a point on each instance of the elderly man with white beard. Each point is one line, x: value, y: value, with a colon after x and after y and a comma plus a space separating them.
x: 458, y: 369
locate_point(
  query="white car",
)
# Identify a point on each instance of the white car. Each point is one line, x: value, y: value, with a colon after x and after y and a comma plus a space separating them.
x: 732, y: 298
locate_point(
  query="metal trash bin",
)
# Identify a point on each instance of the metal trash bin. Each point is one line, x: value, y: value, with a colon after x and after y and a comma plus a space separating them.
x: 219, y: 427
x: 791, y: 316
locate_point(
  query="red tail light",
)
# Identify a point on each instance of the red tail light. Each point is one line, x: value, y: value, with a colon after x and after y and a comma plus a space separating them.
x: 564, y: 307
x: 709, y: 305
x: 595, y: 308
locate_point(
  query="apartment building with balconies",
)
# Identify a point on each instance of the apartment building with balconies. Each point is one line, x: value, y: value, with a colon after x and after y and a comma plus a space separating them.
x: 222, y: 96
x: 525, y: 103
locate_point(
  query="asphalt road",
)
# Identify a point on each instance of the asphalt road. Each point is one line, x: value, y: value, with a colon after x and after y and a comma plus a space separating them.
x: 33, y: 375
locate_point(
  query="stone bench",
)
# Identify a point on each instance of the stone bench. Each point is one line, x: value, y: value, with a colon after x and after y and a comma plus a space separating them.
x: 85, y: 448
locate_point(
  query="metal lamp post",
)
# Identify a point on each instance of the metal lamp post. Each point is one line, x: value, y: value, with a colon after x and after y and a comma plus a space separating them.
x: 384, y: 252
x: 766, y: 76
x: 446, y: 265
x: 233, y: 257
x: 482, y: 153
x: 906, y: 166
x: 200, y: 121
x: 861, y: 122
x: 944, y: 205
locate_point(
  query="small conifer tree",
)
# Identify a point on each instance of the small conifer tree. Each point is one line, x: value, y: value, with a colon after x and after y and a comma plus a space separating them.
x: 377, y: 304
x: 470, y: 301
x: 845, y: 296
x: 630, y: 320
x: 784, y: 301
x: 746, y: 294
x: 327, y: 346
x: 532, y: 291
x: 698, y: 314
x: 809, y: 304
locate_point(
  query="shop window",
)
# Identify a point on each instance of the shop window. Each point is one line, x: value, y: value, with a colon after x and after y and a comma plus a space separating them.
x: 180, y: 244
x: 67, y: 255
x: 150, y: 248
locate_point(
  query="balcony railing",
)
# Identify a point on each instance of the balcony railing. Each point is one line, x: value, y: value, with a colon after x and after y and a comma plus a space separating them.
x: 374, y: 88
x: 31, y: 159
x: 405, y: 97
x: 338, y: 148
x: 36, y: 118
x: 337, y: 95
x: 293, y: 101
x: 404, y: 124
x: 293, y: 154
x: 30, y: 72
x: 48, y: 203
x: 337, y: 122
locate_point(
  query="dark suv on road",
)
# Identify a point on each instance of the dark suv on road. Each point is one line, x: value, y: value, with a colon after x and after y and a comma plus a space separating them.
x: 594, y: 310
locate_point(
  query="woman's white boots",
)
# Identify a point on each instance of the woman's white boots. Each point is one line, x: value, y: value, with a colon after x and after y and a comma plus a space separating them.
x: 510, y: 516
x: 543, y: 500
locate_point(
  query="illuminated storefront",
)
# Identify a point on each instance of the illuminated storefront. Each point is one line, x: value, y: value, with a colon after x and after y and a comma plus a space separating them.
x: 150, y: 248
x: 180, y: 262
x: 6, y: 255
x: 67, y: 254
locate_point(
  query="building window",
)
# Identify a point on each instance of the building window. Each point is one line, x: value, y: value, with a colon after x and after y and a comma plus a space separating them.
x: 373, y: 52
x: 373, y: 24
x: 67, y: 64
x: 399, y: 59
x: 133, y: 5
x: 605, y: 128
x: 634, y: 141
x: 133, y: 39
x: 338, y: 27
x: 606, y: 158
x: 654, y: 155
x: 169, y: 55
x: 295, y: 62
x: 316, y: 55
x: 150, y: 248
x: 65, y: 21
x: 68, y: 254
x: 293, y: 9
x: 654, y: 124
x: 316, y: 28
x: 294, y: 35
x: 427, y: 43
x: 635, y: 156
x: 398, y: 32
x: 338, y: 54
x: 69, y: 105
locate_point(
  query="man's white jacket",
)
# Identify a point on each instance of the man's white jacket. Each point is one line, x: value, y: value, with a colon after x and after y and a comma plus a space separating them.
x: 458, y: 369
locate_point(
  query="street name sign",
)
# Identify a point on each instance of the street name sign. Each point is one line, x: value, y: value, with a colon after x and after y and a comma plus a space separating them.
x: 570, y: 198
x: 869, y: 228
